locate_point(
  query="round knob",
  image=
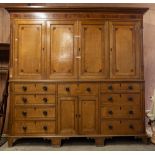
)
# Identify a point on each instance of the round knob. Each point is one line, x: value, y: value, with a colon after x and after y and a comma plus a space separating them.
x: 24, y: 128
x: 45, y: 128
x: 110, y: 98
x: 24, y: 88
x: 110, y: 112
x: 68, y: 89
x: 45, y: 88
x: 24, y: 100
x: 131, y: 112
x: 130, y: 87
x: 110, y: 87
x: 45, y: 113
x: 24, y: 113
x: 131, y: 126
x: 88, y: 90
x: 110, y: 127
x: 45, y: 100
x: 130, y: 99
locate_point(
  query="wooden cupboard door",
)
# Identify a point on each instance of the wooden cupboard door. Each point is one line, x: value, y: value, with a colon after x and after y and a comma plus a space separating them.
x: 67, y: 115
x: 29, y: 48
x: 94, y: 63
x: 62, y: 49
x: 88, y: 115
x: 125, y: 46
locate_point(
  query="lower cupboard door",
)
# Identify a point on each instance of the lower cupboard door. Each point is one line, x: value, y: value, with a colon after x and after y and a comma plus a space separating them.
x: 88, y: 118
x: 67, y: 115
x: 122, y: 127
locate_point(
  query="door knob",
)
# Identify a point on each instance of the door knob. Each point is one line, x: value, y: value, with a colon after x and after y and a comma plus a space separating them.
x: 45, y: 88
x: 24, y: 100
x: 24, y: 88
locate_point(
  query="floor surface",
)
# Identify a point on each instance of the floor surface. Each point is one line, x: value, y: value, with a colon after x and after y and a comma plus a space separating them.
x: 80, y: 144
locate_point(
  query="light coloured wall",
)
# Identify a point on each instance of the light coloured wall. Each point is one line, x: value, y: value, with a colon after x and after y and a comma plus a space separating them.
x: 4, y: 26
x: 149, y: 55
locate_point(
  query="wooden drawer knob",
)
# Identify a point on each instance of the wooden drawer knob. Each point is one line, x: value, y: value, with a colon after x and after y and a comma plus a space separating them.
x: 110, y: 127
x: 110, y: 87
x: 88, y: 89
x: 110, y: 98
x: 45, y: 128
x: 130, y: 87
x: 110, y: 112
x: 45, y: 100
x: 100, y: 70
x: 24, y: 88
x: 24, y: 100
x: 45, y: 88
x: 45, y: 113
x: 24, y: 113
x: 24, y: 128
x: 131, y: 126
x: 130, y: 99
x: 130, y: 112
x: 68, y: 89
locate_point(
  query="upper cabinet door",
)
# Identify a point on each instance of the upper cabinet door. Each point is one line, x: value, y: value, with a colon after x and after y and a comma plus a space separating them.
x: 94, y: 62
x: 62, y: 48
x: 125, y: 47
x: 28, y: 49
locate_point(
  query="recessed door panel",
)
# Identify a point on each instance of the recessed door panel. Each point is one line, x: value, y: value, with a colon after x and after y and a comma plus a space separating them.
x: 88, y: 110
x: 125, y: 49
x: 94, y: 57
x: 29, y: 46
x: 61, y: 49
x: 67, y: 115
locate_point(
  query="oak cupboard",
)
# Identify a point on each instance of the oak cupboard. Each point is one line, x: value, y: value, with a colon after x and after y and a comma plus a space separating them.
x: 75, y: 72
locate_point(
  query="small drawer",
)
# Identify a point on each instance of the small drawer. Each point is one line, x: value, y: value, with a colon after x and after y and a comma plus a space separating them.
x: 45, y: 99
x: 109, y: 87
x: 131, y: 87
x: 34, y: 127
x: 130, y: 99
x: 24, y: 88
x: 46, y: 88
x: 88, y: 89
x: 110, y: 99
x: 122, y: 127
x: 25, y: 99
x: 67, y: 89
x: 34, y: 99
x: 22, y: 113
x: 120, y: 112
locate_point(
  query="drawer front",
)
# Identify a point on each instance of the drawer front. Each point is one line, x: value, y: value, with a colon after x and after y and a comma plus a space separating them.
x: 127, y: 99
x: 46, y: 88
x: 25, y: 99
x: 130, y: 99
x: 131, y: 86
x: 120, y: 112
x: 110, y: 99
x: 33, y: 112
x: 68, y: 89
x: 88, y: 89
x: 24, y: 87
x: 45, y: 99
x: 122, y: 127
x: 34, y: 99
x: 109, y: 87
x: 34, y: 127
